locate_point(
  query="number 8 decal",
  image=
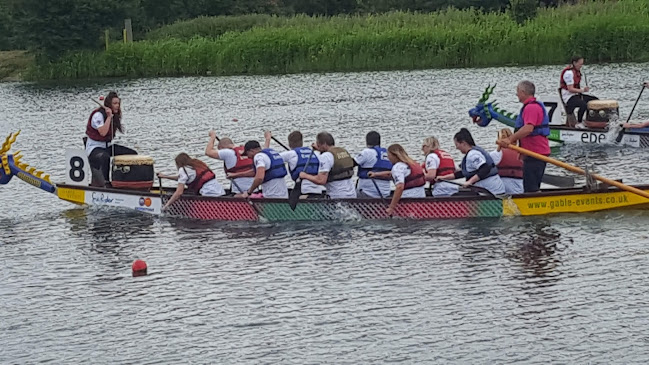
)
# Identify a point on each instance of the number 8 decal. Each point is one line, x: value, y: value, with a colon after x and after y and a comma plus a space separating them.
x: 76, y: 169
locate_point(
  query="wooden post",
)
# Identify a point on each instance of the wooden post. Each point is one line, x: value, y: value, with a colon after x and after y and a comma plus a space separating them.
x: 128, y: 31
x: 106, y: 37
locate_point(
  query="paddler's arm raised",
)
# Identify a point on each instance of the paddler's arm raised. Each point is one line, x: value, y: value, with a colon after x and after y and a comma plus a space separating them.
x: 105, y: 128
x: 521, y: 133
x: 209, y: 150
x: 319, y: 179
x: 267, y: 137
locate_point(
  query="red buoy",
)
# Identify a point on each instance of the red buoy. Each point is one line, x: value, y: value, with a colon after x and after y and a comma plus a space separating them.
x: 139, y: 268
x: 235, y: 119
x: 101, y: 98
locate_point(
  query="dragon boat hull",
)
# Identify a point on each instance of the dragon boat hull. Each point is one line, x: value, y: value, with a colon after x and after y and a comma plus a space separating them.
x: 237, y: 209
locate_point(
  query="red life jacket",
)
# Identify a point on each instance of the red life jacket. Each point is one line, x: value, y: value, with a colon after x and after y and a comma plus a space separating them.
x: 576, y: 77
x: 510, y: 165
x: 416, y: 177
x: 243, y: 162
x: 94, y: 133
x: 203, y: 175
x: 446, y: 163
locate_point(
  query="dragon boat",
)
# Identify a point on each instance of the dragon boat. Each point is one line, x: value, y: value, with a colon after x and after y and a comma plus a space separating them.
x: 596, y: 130
x: 150, y: 200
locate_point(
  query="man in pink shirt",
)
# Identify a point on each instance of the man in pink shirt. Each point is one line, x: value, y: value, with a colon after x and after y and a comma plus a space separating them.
x: 532, y: 130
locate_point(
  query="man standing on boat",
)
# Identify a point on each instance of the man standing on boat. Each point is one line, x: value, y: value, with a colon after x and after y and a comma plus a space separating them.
x: 571, y: 91
x: 336, y: 168
x: 234, y: 162
x: 269, y: 171
x: 102, y: 125
x: 300, y: 158
x: 373, y: 158
x: 532, y: 130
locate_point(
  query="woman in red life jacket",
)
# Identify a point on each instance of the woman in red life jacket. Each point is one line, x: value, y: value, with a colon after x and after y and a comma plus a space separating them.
x: 437, y: 163
x: 509, y: 164
x: 101, y: 127
x: 196, y: 175
x: 407, y: 175
x: 572, y: 91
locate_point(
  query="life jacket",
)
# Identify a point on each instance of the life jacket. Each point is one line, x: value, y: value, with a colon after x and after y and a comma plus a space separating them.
x: 510, y: 165
x: 243, y: 162
x: 277, y: 169
x: 382, y: 164
x: 93, y: 133
x: 539, y: 130
x: 343, y: 167
x: 576, y: 77
x: 446, y: 163
x: 303, y: 155
x: 490, y: 162
x: 203, y: 175
x: 416, y: 177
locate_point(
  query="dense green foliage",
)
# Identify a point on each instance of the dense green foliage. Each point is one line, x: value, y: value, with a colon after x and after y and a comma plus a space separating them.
x: 522, y: 10
x: 601, y: 31
x: 50, y: 27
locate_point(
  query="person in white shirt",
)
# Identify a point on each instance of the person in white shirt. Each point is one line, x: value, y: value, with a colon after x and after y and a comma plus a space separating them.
x: 373, y: 158
x: 102, y: 125
x: 238, y: 167
x: 300, y: 158
x: 336, y: 168
x: 438, y: 162
x: 509, y: 164
x: 477, y: 166
x: 407, y: 175
x: 196, y: 175
x: 269, y: 172
x: 572, y: 92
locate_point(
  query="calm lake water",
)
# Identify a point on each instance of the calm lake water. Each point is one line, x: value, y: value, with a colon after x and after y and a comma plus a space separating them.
x: 560, y: 289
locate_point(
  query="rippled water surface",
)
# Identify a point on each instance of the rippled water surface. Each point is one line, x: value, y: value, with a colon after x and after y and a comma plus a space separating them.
x: 561, y: 289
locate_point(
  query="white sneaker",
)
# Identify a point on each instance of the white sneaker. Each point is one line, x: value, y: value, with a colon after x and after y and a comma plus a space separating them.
x: 580, y: 125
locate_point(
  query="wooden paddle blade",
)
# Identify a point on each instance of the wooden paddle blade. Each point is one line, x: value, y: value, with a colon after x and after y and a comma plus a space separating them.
x: 559, y: 181
x: 294, y: 197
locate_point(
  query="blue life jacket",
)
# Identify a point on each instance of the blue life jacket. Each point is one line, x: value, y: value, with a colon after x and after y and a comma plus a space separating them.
x: 490, y: 162
x: 303, y: 155
x: 277, y: 168
x: 539, y: 130
x: 382, y: 163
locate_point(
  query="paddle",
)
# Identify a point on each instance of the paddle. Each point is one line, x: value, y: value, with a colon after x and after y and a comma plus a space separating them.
x: 577, y: 170
x: 477, y: 189
x: 621, y: 133
x: 247, y: 199
x: 280, y: 143
x: 378, y: 191
x: 294, y: 197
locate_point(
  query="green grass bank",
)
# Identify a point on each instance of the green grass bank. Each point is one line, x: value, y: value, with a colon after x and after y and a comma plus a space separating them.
x: 602, y: 31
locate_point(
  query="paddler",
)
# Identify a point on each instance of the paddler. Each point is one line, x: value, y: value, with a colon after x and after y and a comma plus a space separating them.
x: 336, y: 168
x: 269, y: 171
x: 572, y: 91
x: 532, y: 130
x: 477, y: 165
x: 438, y: 163
x: 237, y: 166
x: 373, y: 158
x: 297, y: 158
x: 102, y: 125
x: 407, y: 175
x: 196, y: 175
x: 509, y: 164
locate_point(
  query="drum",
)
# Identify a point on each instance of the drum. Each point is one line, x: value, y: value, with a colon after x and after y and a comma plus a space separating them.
x: 600, y: 112
x: 133, y: 172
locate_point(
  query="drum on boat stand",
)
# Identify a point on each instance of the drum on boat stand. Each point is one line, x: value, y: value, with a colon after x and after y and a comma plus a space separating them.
x: 600, y: 112
x: 132, y: 172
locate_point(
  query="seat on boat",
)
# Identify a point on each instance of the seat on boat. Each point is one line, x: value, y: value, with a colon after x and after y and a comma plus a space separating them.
x: 571, y: 119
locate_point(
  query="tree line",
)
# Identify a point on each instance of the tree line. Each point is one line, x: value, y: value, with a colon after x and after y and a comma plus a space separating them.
x: 52, y: 27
